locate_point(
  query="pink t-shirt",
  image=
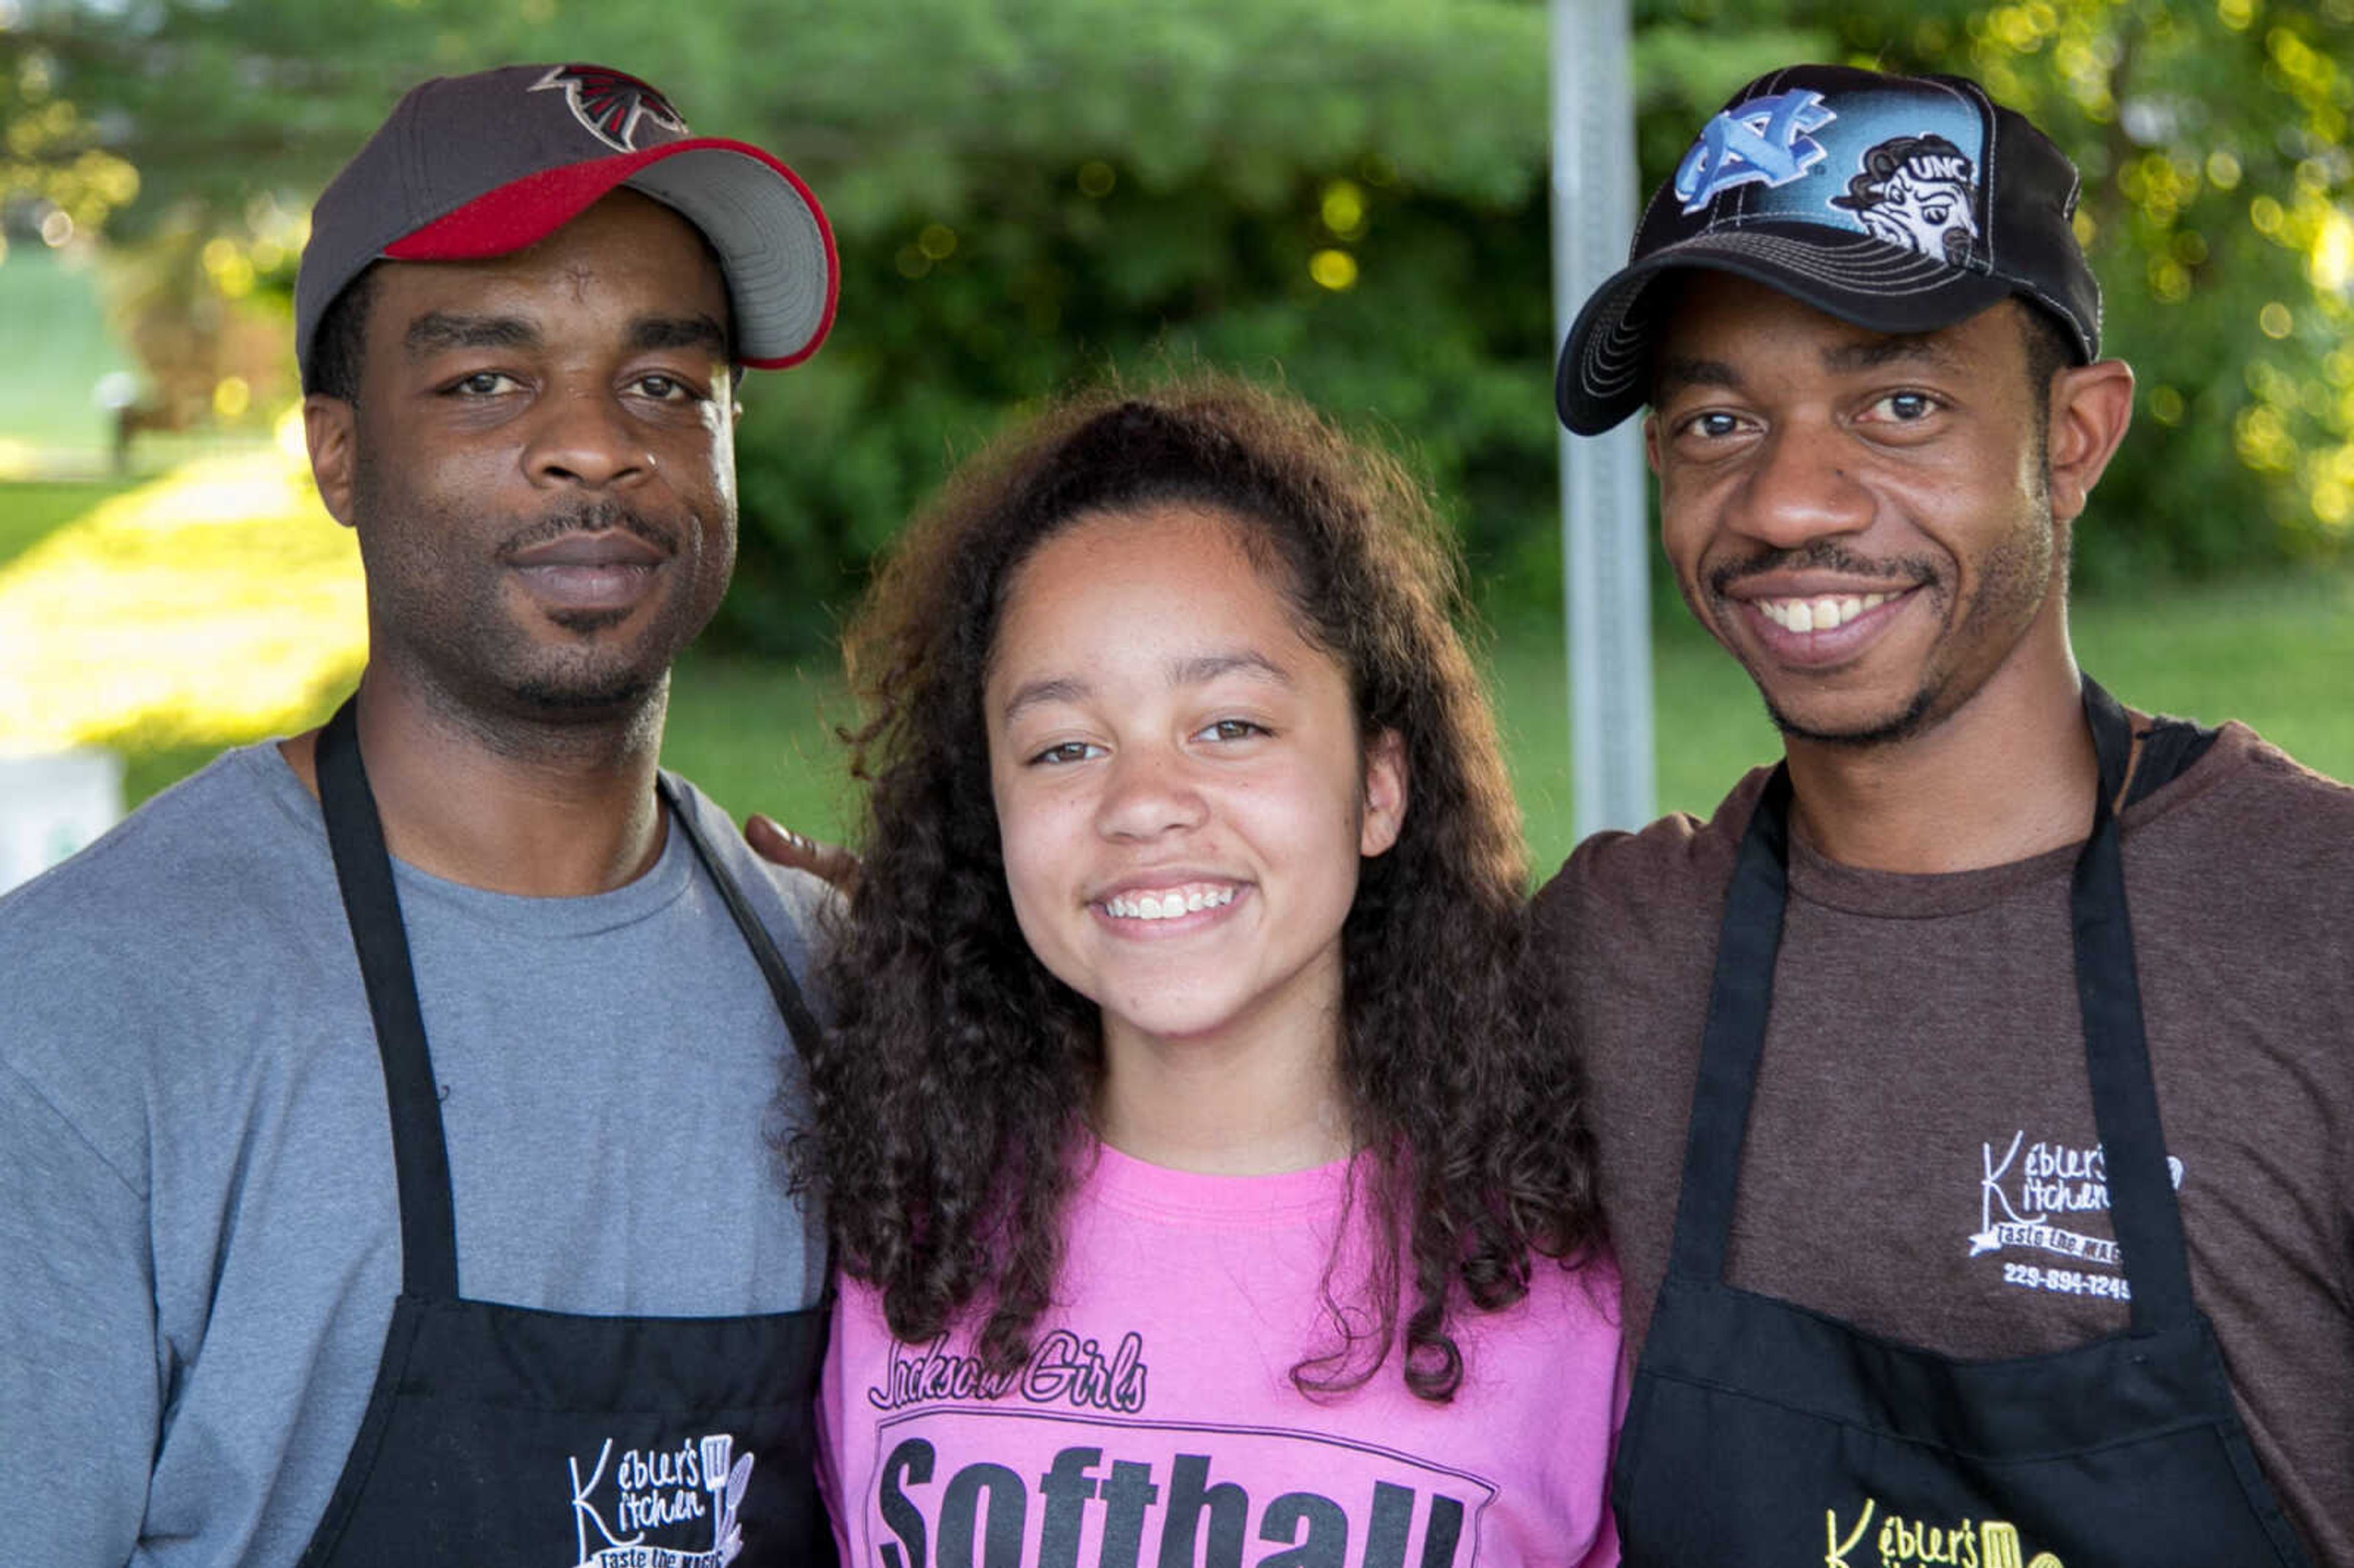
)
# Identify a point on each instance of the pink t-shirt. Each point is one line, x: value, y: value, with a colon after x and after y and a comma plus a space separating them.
x: 1156, y: 1424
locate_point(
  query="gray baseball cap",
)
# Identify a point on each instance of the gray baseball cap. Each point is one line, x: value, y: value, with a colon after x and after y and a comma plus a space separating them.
x: 474, y: 166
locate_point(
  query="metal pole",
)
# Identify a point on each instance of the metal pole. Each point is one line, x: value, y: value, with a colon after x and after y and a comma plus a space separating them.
x: 1606, y: 514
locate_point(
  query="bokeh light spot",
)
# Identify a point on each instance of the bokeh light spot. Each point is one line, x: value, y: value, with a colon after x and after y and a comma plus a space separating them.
x: 1334, y: 269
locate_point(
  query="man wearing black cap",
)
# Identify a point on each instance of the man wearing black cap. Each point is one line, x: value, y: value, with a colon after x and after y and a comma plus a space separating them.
x: 388, y: 1112
x: 1972, y: 1086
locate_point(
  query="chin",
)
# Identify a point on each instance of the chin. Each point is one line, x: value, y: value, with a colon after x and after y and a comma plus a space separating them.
x: 588, y: 688
x: 1888, y: 725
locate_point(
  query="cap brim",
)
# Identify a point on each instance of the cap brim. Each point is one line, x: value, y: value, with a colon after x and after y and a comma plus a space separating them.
x: 771, y: 237
x: 1606, y: 362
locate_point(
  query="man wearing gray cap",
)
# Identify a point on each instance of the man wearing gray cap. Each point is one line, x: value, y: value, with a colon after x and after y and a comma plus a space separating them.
x: 385, y: 1113
x: 1972, y: 1086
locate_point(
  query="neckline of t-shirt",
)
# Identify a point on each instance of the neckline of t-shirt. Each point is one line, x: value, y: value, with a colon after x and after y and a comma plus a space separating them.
x: 663, y: 884
x: 1928, y: 896
x: 1136, y: 1186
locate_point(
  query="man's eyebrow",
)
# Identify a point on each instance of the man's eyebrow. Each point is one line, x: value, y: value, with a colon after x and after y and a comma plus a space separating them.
x: 1871, y: 355
x: 1677, y: 371
x: 678, y: 331
x: 436, y: 331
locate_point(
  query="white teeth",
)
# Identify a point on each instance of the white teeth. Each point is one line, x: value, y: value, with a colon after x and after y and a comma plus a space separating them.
x: 1167, y: 905
x: 1825, y: 614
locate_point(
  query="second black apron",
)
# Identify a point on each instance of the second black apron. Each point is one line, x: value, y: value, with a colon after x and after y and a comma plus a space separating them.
x: 1760, y: 1433
x: 506, y: 1435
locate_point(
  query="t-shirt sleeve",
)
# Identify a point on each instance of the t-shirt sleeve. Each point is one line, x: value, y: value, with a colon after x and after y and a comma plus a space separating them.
x: 831, y: 1416
x: 79, y: 1396
x: 1603, y: 1553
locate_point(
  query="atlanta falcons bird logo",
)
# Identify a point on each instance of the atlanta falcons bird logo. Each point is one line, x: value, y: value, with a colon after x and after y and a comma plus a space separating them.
x: 610, y: 104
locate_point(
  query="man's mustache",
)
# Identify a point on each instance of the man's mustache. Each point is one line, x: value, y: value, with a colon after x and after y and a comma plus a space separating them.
x: 1821, y: 555
x: 590, y: 517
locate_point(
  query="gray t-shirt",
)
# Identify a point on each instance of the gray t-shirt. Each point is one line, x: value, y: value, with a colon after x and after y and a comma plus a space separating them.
x: 1922, y: 1158
x: 199, y: 1242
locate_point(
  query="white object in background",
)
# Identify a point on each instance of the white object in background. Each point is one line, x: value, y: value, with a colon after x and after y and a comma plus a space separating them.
x: 52, y: 805
x: 1606, y: 496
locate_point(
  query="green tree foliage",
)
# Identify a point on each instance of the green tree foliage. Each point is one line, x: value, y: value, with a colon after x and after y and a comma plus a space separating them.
x: 1350, y: 196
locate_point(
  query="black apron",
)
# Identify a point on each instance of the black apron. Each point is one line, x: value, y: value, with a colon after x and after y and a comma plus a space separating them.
x: 511, y: 1437
x: 1760, y: 1433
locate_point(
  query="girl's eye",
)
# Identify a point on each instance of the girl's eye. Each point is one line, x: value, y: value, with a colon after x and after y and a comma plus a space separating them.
x: 1231, y: 729
x: 1066, y: 752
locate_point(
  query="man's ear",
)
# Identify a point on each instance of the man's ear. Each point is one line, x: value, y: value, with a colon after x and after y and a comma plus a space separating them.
x: 2091, y: 406
x: 327, y: 429
x: 1386, y: 793
x: 1652, y: 441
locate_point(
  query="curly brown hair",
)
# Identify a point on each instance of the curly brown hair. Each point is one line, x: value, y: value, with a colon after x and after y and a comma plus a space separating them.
x: 953, y: 1092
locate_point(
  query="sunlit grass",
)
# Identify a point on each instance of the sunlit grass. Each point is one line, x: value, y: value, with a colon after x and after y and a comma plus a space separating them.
x: 31, y: 512
x: 211, y: 606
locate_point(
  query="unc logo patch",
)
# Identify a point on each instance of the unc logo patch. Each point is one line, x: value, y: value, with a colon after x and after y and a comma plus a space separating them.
x: 609, y: 105
x: 1917, y: 192
x: 1763, y: 142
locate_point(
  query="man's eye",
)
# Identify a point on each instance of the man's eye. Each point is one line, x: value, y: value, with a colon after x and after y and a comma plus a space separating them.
x: 664, y: 389
x: 1905, y: 408
x: 1065, y: 752
x: 1232, y: 729
x: 1713, y: 426
x: 482, y: 384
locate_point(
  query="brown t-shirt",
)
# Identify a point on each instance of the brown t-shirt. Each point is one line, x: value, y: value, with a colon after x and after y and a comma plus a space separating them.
x: 1922, y: 1160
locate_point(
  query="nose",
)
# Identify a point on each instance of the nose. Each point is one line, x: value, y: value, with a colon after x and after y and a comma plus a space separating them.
x: 1800, y: 487
x: 585, y: 439
x: 1149, y: 791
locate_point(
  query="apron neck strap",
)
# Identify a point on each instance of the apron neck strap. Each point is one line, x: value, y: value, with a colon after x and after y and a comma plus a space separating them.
x: 429, y: 1232
x: 2142, y: 1211
x: 800, y: 1022
x: 2147, y: 1223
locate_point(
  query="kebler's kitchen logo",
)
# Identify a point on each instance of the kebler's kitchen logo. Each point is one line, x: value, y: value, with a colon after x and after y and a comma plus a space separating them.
x: 1899, y: 1542
x: 2030, y: 1199
x: 641, y: 1508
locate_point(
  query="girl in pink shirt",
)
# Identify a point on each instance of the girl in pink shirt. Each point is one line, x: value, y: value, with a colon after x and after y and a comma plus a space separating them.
x: 1205, y: 1194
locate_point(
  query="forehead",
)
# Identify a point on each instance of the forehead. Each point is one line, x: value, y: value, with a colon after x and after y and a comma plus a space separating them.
x: 1719, y: 318
x: 1135, y: 550
x: 1107, y: 574
x: 627, y: 254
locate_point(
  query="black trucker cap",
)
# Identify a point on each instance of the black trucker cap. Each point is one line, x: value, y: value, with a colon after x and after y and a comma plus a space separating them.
x: 1901, y: 204
x: 474, y: 167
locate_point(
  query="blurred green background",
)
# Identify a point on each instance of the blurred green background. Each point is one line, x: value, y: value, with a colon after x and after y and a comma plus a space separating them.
x: 1349, y: 198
